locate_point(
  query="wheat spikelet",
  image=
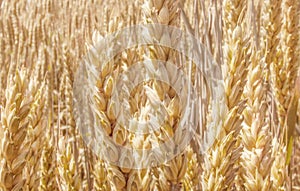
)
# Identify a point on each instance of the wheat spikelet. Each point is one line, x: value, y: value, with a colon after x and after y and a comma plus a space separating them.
x: 2, y: 85
x: 122, y: 178
x: 291, y: 62
x: 233, y: 14
x: 270, y: 28
x: 46, y: 37
x: 295, y: 157
x: 271, y: 24
x: 235, y: 51
x: 68, y: 144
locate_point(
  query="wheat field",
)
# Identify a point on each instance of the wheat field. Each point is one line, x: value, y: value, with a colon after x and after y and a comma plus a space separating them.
x: 250, y: 130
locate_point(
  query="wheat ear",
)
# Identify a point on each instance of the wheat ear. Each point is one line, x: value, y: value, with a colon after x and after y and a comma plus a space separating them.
x: 169, y: 175
x: 256, y: 159
x: 14, y: 124
x: 236, y: 61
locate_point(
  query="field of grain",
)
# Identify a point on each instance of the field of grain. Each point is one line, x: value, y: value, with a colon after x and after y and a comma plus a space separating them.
x: 246, y: 134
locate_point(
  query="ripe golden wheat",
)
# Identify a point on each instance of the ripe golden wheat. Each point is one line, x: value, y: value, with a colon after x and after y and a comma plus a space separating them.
x: 256, y: 120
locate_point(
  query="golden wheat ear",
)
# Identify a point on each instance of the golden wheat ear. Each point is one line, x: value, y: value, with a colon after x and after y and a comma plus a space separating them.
x: 14, y: 120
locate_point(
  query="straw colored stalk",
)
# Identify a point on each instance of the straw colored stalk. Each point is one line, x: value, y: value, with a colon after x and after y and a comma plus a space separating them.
x: 14, y: 124
x: 256, y: 159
